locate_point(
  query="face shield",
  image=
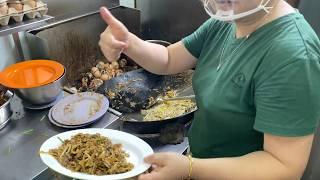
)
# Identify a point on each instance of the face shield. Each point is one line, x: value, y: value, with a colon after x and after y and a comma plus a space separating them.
x: 231, y: 10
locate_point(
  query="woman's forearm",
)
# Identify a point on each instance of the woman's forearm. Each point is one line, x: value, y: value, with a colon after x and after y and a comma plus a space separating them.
x: 256, y: 165
x: 153, y: 57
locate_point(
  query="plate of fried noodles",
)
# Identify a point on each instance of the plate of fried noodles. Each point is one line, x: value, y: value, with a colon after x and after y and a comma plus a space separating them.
x: 96, y: 154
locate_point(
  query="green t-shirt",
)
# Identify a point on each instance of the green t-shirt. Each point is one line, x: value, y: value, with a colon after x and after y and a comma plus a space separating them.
x: 267, y: 83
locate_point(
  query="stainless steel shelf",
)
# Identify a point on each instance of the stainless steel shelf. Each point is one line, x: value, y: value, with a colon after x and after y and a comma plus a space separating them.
x: 25, y: 25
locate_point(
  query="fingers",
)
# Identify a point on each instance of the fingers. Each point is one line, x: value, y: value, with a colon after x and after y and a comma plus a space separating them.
x: 165, y: 166
x: 110, y: 47
x: 158, y: 159
x: 111, y: 42
x: 155, y: 167
x: 150, y: 176
x: 111, y: 54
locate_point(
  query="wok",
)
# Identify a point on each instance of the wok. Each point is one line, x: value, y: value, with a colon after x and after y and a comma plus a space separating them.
x: 132, y: 91
x: 147, y: 86
x: 134, y: 121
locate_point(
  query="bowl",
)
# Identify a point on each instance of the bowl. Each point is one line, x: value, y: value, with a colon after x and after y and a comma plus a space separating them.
x: 31, y: 74
x: 44, y: 94
x: 5, y: 110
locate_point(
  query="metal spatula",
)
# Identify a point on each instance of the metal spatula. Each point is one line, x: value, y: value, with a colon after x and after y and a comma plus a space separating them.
x: 160, y: 99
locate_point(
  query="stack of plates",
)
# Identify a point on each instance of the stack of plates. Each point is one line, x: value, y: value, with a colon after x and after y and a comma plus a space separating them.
x: 78, y: 110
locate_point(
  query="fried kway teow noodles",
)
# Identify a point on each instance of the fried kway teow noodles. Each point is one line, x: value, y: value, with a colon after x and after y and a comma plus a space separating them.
x: 92, y: 154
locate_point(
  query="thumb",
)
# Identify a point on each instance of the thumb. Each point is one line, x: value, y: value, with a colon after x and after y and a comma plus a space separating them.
x: 108, y: 17
x: 119, y: 30
x: 157, y: 159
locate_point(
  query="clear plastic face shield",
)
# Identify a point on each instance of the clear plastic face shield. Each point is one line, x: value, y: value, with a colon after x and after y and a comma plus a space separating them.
x: 231, y: 10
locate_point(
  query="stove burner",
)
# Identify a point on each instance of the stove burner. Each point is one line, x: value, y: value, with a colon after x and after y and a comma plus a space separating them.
x: 171, y: 134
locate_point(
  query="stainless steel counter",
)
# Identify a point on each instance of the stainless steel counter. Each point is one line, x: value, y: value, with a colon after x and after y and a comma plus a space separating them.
x: 21, y: 139
x: 48, y: 174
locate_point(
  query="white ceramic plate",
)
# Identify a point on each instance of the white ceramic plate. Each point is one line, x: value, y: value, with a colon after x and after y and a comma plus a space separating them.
x: 135, y: 147
x: 81, y: 108
x: 66, y: 126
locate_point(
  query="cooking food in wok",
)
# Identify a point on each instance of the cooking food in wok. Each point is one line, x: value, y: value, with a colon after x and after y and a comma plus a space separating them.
x: 168, y: 110
x: 138, y: 89
x: 132, y: 91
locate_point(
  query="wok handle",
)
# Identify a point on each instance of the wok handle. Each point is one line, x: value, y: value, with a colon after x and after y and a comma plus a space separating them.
x: 117, y: 113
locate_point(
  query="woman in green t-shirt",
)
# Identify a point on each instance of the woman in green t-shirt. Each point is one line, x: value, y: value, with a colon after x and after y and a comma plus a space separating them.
x: 256, y: 83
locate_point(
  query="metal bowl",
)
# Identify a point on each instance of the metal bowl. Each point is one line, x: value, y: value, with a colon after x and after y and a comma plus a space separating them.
x: 41, y: 95
x: 5, y: 110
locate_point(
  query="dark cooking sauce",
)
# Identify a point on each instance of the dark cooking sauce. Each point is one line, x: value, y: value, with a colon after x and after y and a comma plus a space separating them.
x: 3, y: 98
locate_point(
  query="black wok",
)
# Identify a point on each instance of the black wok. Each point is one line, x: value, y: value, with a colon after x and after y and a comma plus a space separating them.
x: 134, y: 121
x: 132, y: 91
x: 142, y: 87
x: 138, y: 89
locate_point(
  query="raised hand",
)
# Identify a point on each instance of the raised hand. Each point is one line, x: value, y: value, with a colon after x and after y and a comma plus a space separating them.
x: 115, y: 39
